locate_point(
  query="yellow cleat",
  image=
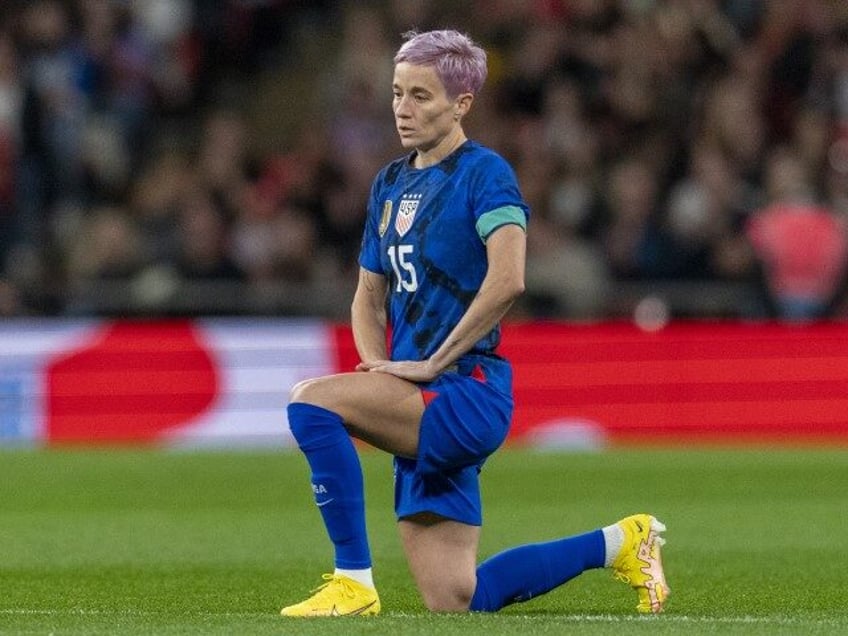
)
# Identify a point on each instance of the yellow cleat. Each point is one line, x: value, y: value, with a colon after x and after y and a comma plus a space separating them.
x: 339, y: 596
x: 639, y: 563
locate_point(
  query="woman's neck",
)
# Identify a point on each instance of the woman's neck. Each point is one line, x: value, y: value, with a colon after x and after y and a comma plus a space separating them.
x: 452, y: 141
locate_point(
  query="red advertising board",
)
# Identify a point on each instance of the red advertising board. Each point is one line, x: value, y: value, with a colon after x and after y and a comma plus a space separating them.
x: 688, y: 382
x: 226, y: 381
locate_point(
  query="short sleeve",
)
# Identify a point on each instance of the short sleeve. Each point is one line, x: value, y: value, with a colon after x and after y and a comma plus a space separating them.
x: 369, y: 253
x: 495, y: 197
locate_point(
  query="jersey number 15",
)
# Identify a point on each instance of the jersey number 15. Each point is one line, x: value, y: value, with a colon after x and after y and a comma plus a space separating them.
x: 400, y: 256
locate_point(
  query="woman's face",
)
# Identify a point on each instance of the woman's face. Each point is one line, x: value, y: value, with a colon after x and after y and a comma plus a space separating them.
x: 424, y: 114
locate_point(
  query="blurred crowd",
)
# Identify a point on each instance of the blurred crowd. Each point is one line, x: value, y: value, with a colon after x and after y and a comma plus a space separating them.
x: 157, y: 146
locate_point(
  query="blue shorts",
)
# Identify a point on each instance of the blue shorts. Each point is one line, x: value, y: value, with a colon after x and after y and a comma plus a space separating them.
x: 466, y: 418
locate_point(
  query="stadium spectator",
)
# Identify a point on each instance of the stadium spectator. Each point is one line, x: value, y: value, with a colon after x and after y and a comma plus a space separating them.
x: 155, y: 197
x: 636, y: 246
x: 56, y: 103
x: 10, y: 301
x: 204, y: 240
x: 801, y: 245
x: 11, y: 108
x: 702, y: 214
x: 106, y: 246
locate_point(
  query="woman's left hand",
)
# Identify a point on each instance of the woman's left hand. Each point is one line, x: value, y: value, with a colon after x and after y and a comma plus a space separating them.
x: 414, y: 371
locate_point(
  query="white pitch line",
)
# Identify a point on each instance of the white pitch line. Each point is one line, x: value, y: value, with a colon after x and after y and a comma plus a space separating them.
x: 117, y: 612
x: 571, y: 618
x: 741, y: 620
x: 665, y: 618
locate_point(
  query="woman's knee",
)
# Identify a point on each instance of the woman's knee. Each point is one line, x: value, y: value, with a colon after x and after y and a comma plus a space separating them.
x: 452, y: 596
x: 315, y: 391
x: 300, y: 391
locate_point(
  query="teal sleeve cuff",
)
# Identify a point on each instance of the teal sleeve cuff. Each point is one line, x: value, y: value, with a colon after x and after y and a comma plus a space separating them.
x: 507, y: 215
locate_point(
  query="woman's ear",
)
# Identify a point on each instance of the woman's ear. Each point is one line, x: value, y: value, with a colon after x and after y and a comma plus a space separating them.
x: 463, y: 105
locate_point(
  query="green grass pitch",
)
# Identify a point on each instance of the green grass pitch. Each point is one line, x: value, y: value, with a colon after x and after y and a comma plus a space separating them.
x: 214, y: 542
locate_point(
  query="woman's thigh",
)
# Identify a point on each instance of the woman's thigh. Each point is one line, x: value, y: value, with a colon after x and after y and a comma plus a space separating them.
x: 442, y: 556
x: 378, y: 408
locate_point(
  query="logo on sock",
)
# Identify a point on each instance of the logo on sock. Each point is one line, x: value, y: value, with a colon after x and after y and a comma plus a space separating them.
x: 319, y: 489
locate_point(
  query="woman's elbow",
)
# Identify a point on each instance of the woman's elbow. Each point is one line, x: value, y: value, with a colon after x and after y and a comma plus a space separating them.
x: 514, y: 289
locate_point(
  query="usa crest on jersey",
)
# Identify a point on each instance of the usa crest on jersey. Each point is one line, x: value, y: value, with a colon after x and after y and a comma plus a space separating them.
x: 407, y: 208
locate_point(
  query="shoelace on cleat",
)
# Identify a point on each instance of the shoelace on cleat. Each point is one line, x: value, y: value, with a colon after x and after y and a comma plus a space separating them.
x: 332, y: 581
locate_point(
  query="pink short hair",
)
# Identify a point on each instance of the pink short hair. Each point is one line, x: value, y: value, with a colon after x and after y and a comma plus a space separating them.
x: 460, y: 64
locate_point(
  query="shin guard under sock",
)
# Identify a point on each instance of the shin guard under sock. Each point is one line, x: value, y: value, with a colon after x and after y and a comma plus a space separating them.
x: 527, y: 571
x: 336, y: 480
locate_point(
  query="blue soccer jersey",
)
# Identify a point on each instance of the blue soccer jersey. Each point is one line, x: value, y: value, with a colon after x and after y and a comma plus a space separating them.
x: 426, y: 231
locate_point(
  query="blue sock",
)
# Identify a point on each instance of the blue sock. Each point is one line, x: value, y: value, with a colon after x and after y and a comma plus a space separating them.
x: 336, y: 481
x: 527, y: 571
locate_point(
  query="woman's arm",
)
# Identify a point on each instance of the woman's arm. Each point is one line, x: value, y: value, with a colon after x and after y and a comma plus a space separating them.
x: 504, y: 282
x: 368, y: 317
